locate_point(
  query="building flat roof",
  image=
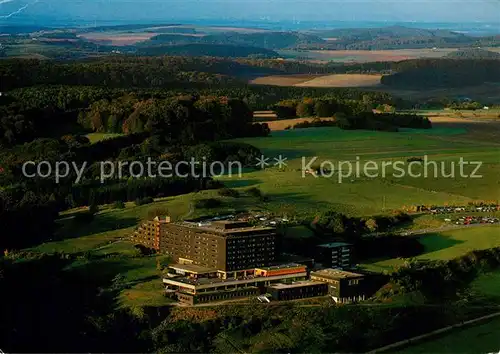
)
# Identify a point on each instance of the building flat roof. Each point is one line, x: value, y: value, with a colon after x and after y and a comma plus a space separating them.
x: 213, y: 282
x: 281, y: 266
x: 297, y: 284
x: 216, y: 227
x: 336, y: 274
x: 335, y: 245
x: 193, y: 268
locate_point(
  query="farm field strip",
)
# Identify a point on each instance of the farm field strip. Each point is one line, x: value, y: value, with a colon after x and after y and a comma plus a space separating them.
x: 365, y: 56
x: 343, y: 80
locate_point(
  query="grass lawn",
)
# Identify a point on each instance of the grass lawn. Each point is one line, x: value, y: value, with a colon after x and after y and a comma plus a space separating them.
x: 446, y: 245
x: 482, y: 338
x: 488, y: 285
x: 362, y: 194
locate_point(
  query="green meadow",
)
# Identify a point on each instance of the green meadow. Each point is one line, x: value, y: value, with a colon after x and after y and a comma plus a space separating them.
x: 481, y: 338
x: 380, y: 190
x: 445, y: 245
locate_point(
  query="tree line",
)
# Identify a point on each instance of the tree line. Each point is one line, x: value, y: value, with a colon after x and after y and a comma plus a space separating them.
x: 428, y: 73
x: 349, y: 114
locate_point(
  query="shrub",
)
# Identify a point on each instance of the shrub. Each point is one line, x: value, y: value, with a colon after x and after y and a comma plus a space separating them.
x: 144, y: 201
x: 119, y: 205
x: 315, y: 123
x: 84, y: 217
x: 143, y: 250
x: 208, y: 203
x: 305, y: 109
x: 229, y: 192
x: 93, y: 208
x: 254, y: 192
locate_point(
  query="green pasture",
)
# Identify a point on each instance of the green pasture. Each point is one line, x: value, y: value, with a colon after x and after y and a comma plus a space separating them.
x: 488, y: 285
x: 446, y: 245
x: 481, y: 338
x: 363, y: 194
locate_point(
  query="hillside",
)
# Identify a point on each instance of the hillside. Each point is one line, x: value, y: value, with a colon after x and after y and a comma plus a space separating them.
x: 211, y: 50
x: 473, y: 53
x: 431, y: 73
x: 396, y: 37
x: 266, y: 39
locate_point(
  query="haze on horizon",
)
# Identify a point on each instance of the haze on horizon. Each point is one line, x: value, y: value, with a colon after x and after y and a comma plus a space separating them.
x: 487, y: 11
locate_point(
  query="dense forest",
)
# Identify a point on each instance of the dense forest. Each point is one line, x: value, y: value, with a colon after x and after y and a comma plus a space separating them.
x: 209, y: 75
x: 430, y: 73
x: 166, y: 71
x: 205, y: 49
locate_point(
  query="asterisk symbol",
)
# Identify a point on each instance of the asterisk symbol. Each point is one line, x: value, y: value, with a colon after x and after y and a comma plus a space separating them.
x: 280, y: 161
x: 262, y: 161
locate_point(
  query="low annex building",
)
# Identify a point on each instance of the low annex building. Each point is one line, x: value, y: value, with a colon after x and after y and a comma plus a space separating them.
x: 195, y: 284
x: 343, y: 286
x: 297, y: 290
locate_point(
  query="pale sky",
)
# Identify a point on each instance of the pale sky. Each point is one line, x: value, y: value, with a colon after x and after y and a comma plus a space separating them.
x: 301, y: 10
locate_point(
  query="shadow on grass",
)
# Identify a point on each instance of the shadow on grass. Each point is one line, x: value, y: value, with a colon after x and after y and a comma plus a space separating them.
x: 289, y: 154
x: 436, y: 242
x: 143, y: 280
x: 239, y: 183
x: 73, y: 228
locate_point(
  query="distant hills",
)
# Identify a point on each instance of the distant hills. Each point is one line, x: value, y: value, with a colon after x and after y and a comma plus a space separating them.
x: 211, y: 50
x: 190, y: 40
x: 267, y: 40
x: 398, y: 37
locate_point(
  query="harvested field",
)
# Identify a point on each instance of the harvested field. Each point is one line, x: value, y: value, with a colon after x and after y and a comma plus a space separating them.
x: 336, y: 80
x: 277, y: 125
x: 343, y: 80
x: 283, y: 80
x: 260, y: 116
x: 118, y: 39
x: 365, y: 56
